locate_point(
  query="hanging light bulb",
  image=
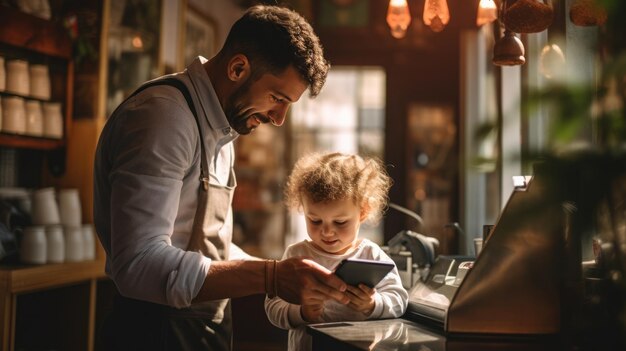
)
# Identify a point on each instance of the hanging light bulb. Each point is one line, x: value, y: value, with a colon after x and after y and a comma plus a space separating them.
x: 487, y: 12
x: 436, y: 14
x: 552, y: 62
x: 398, y: 18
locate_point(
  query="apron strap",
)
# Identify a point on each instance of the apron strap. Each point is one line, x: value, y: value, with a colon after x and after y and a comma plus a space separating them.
x: 173, y: 82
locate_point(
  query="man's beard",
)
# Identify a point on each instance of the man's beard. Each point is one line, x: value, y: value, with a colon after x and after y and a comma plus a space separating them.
x: 235, y: 113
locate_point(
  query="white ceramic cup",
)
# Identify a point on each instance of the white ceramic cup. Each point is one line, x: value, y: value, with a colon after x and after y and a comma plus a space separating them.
x: 34, y: 118
x: 53, y: 120
x: 13, y: 115
x: 69, y: 207
x: 33, y: 248
x: 45, y: 210
x: 74, y: 247
x: 56, y: 244
x: 3, y: 75
x: 89, y: 242
x: 39, y: 81
x: 17, y: 80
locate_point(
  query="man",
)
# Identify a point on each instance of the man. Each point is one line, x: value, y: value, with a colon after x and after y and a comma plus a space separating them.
x: 164, y: 182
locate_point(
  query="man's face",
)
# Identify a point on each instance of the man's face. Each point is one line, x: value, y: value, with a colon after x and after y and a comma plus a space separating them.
x: 265, y: 100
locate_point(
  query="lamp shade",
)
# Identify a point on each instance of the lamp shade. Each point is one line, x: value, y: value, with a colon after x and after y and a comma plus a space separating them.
x: 587, y: 13
x: 527, y: 16
x: 508, y: 51
x: 398, y: 18
x: 487, y: 12
x: 436, y: 14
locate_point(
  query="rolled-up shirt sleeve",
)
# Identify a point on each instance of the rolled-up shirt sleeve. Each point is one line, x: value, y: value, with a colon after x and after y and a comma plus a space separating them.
x: 153, y: 153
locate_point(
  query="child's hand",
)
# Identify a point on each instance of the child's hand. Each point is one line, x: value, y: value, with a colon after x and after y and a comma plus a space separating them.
x: 312, y: 313
x: 361, y: 298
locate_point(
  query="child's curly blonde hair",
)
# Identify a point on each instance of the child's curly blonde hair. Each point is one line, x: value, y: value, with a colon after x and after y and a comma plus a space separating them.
x: 335, y: 176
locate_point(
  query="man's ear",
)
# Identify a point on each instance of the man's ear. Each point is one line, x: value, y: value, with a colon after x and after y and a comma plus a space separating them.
x: 238, y: 68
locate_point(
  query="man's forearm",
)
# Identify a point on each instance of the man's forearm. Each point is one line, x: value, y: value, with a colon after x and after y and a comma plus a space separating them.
x: 228, y: 279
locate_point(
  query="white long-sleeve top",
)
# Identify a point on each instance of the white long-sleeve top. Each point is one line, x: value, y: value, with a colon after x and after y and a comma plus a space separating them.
x: 146, y: 181
x: 391, y: 298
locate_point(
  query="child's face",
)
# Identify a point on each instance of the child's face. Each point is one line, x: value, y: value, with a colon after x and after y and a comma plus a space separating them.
x: 333, y: 226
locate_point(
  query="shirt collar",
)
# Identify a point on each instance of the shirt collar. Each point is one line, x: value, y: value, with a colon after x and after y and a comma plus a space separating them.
x: 208, y: 99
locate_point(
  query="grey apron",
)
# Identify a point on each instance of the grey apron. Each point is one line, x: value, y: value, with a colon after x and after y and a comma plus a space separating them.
x: 140, y: 325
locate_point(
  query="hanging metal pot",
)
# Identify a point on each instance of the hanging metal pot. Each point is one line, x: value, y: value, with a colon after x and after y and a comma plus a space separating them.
x: 527, y: 16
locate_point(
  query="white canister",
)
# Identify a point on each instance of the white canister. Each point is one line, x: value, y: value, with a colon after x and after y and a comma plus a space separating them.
x: 56, y: 244
x: 33, y: 245
x: 39, y: 81
x: 45, y: 210
x: 52, y: 120
x: 69, y: 207
x: 3, y: 75
x: 17, y: 80
x: 34, y: 118
x: 89, y: 242
x: 74, y: 247
x: 13, y: 115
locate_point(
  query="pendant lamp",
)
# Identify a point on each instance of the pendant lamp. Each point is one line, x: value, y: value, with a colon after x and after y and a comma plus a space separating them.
x: 587, y: 13
x: 508, y: 51
x: 398, y: 18
x: 436, y: 14
x: 487, y: 12
x: 527, y: 16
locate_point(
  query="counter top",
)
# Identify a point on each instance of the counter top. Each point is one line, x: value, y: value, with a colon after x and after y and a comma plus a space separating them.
x: 384, y: 334
x: 22, y: 278
x: 404, y: 335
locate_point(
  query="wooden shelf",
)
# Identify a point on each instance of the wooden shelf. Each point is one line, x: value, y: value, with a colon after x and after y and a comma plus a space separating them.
x: 30, y: 142
x: 33, y: 33
x: 26, y: 278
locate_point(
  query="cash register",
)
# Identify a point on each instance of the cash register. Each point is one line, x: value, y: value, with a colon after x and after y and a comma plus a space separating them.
x: 514, y: 286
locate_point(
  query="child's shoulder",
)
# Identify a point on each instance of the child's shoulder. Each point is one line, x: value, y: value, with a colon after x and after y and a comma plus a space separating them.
x: 298, y: 249
x: 371, y: 250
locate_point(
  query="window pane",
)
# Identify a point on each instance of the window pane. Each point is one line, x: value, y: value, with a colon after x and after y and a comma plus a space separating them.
x: 347, y: 116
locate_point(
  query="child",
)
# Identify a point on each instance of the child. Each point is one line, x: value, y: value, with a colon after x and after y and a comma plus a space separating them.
x: 337, y: 192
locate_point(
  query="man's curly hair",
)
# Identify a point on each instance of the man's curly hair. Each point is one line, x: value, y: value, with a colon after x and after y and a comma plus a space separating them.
x: 273, y: 38
x: 334, y: 176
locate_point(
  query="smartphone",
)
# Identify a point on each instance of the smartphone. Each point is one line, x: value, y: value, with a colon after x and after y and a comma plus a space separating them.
x: 356, y: 271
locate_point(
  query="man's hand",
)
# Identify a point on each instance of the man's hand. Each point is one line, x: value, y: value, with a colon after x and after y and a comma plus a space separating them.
x: 362, y: 299
x: 303, y: 282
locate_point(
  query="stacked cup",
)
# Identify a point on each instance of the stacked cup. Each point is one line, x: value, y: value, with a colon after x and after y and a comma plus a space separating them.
x: 33, y: 246
x: 14, y: 115
x: 70, y: 213
x: 58, y: 227
x: 53, y: 120
x: 39, y: 81
x: 46, y: 230
x: 17, y: 77
x: 34, y: 118
x: 45, y: 210
x: 56, y: 244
